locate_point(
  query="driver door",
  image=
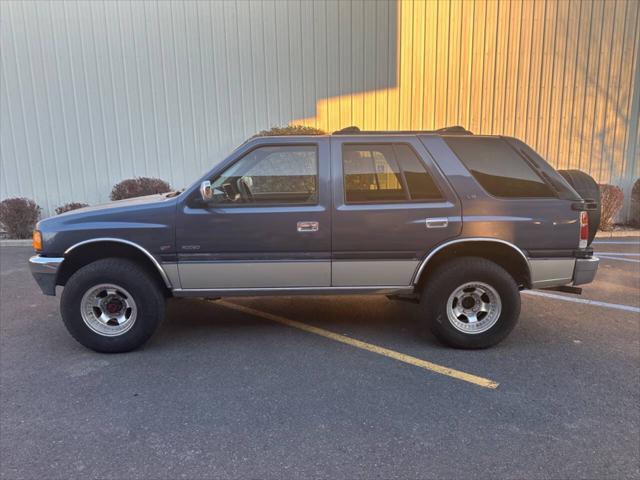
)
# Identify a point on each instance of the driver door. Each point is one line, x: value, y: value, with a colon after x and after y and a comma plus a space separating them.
x: 267, y: 225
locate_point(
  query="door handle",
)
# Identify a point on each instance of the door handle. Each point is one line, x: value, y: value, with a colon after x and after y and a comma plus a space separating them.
x: 441, y: 222
x: 308, y: 226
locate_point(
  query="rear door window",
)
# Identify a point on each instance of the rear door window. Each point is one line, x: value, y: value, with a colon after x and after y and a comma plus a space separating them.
x: 501, y: 170
x: 385, y: 173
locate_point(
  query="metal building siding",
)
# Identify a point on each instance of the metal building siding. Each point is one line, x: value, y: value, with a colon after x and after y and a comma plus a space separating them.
x: 97, y: 91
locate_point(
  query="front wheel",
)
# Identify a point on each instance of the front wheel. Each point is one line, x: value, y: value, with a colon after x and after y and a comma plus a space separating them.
x: 470, y: 303
x: 112, y: 305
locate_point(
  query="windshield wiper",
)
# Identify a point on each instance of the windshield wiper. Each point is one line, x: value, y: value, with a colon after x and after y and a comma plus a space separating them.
x: 174, y: 194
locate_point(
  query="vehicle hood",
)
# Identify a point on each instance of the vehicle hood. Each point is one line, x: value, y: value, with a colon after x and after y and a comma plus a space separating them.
x: 122, y: 213
x: 117, y: 204
x: 146, y: 219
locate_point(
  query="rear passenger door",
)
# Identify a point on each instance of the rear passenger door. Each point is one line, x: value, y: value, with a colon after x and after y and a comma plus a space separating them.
x: 390, y: 206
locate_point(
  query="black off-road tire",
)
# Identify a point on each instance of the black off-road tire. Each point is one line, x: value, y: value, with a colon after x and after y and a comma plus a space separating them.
x: 138, y: 282
x: 588, y: 189
x: 447, y: 279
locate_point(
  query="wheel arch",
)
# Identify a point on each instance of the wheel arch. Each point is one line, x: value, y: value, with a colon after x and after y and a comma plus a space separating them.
x: 506, y: 254
x: 87, y: 251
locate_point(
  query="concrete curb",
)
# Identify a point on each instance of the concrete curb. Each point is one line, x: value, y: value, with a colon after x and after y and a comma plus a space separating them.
x: 15, y: 243
x: 618, y: 234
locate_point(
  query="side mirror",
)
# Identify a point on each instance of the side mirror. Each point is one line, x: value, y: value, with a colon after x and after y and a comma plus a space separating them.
x: 206, y: 192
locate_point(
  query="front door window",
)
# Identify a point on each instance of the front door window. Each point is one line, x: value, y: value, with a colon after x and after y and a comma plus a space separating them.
x: 271, y: 175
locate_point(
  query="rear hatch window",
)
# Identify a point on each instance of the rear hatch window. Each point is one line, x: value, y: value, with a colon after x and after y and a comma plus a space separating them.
x: 565, y: 191
x: 499, y: 168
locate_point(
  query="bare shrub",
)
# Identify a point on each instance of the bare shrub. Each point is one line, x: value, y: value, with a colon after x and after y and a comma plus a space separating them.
x: 634, y: 214
x: 19, y: 216
x: 67, y: 207
x: 290, y: 130
x: 138, y: 187
x: 611, y: 198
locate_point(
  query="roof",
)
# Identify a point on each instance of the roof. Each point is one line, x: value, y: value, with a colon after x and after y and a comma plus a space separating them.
x: 454, y: 130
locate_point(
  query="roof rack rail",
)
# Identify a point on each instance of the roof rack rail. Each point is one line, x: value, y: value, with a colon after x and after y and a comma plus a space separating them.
x: 353, y: 130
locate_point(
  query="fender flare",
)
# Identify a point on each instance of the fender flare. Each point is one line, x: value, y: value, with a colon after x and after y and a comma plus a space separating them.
x: 417, y: 274
x: 155, y: 262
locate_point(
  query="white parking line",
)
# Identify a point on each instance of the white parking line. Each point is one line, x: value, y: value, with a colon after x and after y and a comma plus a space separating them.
x: 619, y: 254
x: 617, y: 242
x: 616, y: 306
x: 630, y: 260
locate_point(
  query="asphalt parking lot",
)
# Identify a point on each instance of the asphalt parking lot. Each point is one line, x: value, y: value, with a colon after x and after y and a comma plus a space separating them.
x: 285, y: 390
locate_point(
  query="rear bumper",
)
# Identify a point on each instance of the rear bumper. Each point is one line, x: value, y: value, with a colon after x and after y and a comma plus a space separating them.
x: 554, y: 272
x: 45, y: 272
x: 585, y: 270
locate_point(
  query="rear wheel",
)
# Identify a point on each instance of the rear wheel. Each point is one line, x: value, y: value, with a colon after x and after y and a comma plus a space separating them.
x: 112, y: 305
x: 470, y: 303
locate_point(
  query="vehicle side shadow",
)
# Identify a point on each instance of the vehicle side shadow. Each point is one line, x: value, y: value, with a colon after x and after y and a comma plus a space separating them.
x: 371, y: 318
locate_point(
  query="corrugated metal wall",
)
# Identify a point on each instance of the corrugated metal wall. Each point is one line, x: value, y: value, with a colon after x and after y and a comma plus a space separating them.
x: 95, y: 92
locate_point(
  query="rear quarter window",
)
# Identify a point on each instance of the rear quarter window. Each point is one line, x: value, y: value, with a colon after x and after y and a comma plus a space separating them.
x: 500, y: 170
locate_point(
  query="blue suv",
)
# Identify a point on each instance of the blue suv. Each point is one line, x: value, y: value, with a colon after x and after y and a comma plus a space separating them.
x: 457, y: 223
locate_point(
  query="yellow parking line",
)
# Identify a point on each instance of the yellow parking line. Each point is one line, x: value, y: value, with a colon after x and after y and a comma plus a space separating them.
x: 417, y: 362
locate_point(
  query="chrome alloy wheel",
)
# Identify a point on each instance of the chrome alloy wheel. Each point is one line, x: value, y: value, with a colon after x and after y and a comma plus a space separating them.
x: 474, y: 307
x: 108, y: 310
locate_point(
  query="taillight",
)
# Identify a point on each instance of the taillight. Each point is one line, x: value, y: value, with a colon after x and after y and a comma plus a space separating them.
x: 584, y: 230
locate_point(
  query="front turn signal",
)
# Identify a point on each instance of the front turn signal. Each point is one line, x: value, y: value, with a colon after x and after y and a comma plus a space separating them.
x: 37, y: 240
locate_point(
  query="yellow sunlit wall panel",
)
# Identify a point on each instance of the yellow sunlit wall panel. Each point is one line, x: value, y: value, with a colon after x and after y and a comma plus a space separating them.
x: 560, y: 75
